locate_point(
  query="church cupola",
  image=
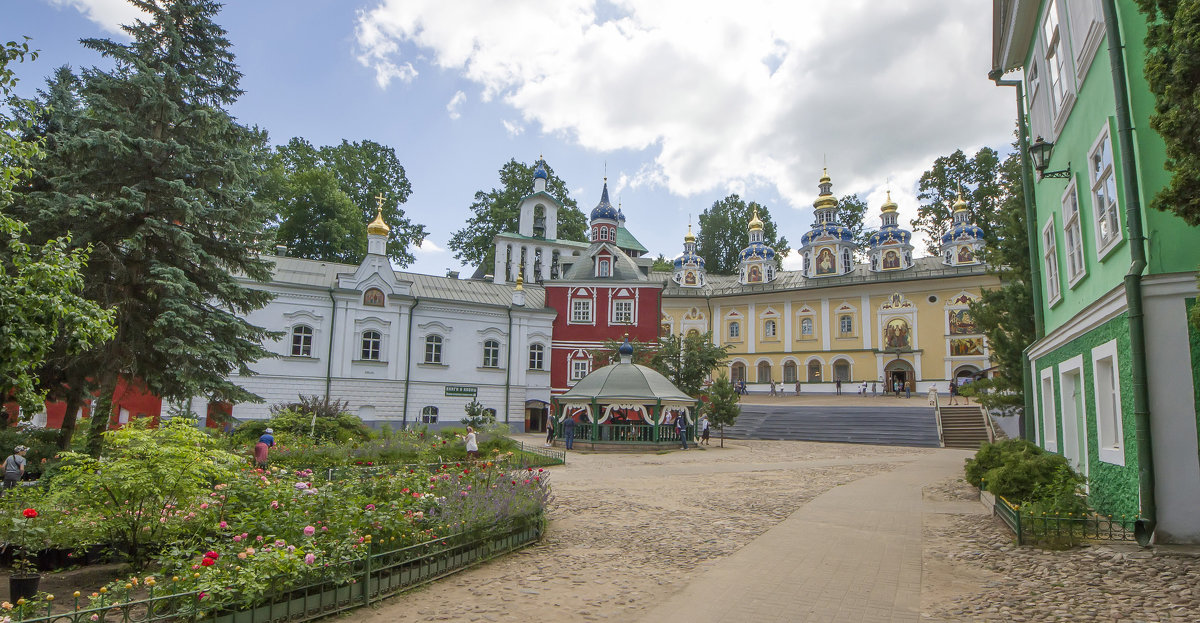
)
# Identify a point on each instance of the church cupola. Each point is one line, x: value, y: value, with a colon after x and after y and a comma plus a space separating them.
x: 689, y: 268
x: 540, y: 176
x: 756, y: 263
x: 962, y: 244
x: 891, y: 246
x: 827, y: 250
x: 378, y: 231
x: 605, y: 219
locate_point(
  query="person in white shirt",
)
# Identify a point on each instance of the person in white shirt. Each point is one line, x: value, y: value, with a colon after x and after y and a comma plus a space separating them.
x: 472, y: 445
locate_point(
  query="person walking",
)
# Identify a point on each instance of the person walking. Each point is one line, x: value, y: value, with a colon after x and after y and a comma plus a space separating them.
x: 569, y: 432
x: 681, y: 428
x: 263, y: 448
x: 908, y: 389
x: 704, y: 429
x: 472, y: 444
x: 954, y: 391
x: 772, y: 388
x: 874, y: 389
x: 14, y: 467
x: 896, y: 387
x: 933, y: 394
x: 838, y: 385
x: 549, y: 431
x: 797, y: 387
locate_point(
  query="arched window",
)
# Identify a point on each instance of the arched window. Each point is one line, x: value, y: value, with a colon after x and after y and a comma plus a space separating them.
x: 373, y: 297
x: 302, y: 335
x: 737, y: 372
x: 846, y: 265
x: 764, y: 372
x: 537, y: 355
x: 769, y: 328
x: 841, y: 371
x: 433, y: 349
x: 491, y: 354
x: 735, y: 329
x: 372, y: 343
x: 789, y: 372
x: 806, y: 326
x: 814, y: 371
x: 846, y: 324
x: 603, y: 268
x: 429, y: 415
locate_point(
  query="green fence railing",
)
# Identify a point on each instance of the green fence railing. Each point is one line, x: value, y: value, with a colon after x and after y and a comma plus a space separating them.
x: 1063, y: 529
x: 350, y: 584
x: 609, y: 433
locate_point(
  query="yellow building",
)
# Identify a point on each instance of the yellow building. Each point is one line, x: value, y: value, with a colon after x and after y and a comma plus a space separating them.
x: 892, y: 319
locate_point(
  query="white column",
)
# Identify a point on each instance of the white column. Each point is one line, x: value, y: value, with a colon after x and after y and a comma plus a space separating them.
x: 866, y: 321
x: 787, y: 326
x: 498, y: 270
x: 530, y: 258
x: 825, y: 324
x: 547, y: 257
x: 718, y: 326
x: 751, y: 331
x: 917, y: 369
x: 514, y: 261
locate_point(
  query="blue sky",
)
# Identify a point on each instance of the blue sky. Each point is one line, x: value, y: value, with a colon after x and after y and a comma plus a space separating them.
x: 680, y: 101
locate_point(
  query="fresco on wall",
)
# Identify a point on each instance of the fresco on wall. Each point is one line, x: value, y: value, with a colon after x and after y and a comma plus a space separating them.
x: 896, y: 334
x: 966, y: 347
x: 961, y: 322
x: 826, y: 263
x: 755, y: 274
x: 891, y: 260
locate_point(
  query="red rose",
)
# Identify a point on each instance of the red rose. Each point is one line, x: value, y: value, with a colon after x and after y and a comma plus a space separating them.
x: 208, y: 562
x: 212, y: 555
x: 30, y: 513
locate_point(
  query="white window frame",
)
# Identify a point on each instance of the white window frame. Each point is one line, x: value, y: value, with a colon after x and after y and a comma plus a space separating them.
x: 305, y: 335
x: 1051, y: 33
x: 1067, y: 404
x: 371, y: 349
x: 433, y: 349
x: 604, y: 267
x: 581, y: 311
x: 429, y: 415
x: 537, y: 357
x: 579, y: 368
x: 1049, y: 414
x: 491, y: 353
x: 735, y: 330
x: 622, y: 311
x: 812, y: 328
x: 844, y: 317
x: 1050, y: 263
x: 1105, y: 180
x: 770, y: 328
x: 1110, y: 429
x: 1073, y: 236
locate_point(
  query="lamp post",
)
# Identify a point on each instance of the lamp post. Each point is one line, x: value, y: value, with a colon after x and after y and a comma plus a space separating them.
x: 1039, y: 153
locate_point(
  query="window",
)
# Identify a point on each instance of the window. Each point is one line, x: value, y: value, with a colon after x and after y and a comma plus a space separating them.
x: 846, y: 265
x: 806, y: 327
x: 814, y: 371
x: 1049, y: 425
x: 537, y: 355
x: 1108, y: 403
x: 737, y: 372
x: 1054, y: 56
x: 581, y: 310
x: 623, y: 312
x: 579, y: 369
x: 1072, y: 235
x: 789, y: 372
x: 433, y: 349
x: 846, y: 324
x: 1104, y: 194
x: 1033, y: 78
x: 429, y: 415
x: 603, y: 272
x: 769, y: 328
x: 764, y: 372
x: 1050, y: 259
x: 735, y: 329
x: 371, y: 343
x: 841, y: 371
x: 491, y: 354
x: 302, y: 341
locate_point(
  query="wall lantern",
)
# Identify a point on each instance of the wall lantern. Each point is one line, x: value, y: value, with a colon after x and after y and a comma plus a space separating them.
x: 1039, y: 153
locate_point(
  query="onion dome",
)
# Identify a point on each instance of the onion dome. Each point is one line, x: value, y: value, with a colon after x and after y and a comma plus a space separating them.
x: 540, y: 172
x: 756, y: 251
x: 377, y: 226
x: 755, y: 223
x: 689, y: 257
x: 891, y: 230
x: 825, y: 199
x: 889, y: 205
x: 626, y: 349
x: 827, y: 231
x: 605, y: 209
x: 690, y: 237
x: 962, y: 229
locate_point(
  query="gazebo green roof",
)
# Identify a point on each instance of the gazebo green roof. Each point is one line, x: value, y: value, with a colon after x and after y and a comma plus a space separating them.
x: 625, y: 382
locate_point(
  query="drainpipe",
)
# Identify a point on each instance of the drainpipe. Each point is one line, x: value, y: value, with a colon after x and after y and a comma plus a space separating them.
x: 1029, y: 431
x: 312, y: 428
x: 508, y: 369
x: 408, y: 361
x: 1144, y: 528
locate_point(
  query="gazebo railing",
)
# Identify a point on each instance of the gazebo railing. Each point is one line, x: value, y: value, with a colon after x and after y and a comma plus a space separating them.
x: 615, y: 433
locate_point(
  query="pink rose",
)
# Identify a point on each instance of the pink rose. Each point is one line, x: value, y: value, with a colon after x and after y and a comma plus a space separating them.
x: 309, y: 558
x: 309, y: 530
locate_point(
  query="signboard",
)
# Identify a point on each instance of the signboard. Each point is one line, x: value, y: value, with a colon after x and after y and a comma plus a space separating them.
x: 461, y: 390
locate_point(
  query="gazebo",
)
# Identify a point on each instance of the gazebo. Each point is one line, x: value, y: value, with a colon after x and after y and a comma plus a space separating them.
x: 625, y: 406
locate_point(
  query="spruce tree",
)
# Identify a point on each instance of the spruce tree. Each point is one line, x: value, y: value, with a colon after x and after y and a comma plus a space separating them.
x: 157, y: 177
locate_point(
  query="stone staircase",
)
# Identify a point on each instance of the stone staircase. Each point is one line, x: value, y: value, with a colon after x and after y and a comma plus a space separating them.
x: 880, y: 425
x: 964, y: 426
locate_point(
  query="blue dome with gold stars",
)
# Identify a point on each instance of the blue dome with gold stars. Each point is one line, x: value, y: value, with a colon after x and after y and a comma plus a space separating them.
x: 963, y: 232
x: 540, y: 172
x: 890, y: 234
x: 829, y: 230
x: 756, y: 251
x: 605, y: 209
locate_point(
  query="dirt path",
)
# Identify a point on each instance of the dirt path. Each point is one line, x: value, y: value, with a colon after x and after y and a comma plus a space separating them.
x: 626, y: 531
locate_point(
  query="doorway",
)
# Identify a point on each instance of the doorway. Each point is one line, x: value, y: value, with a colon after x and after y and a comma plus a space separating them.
x: 898, y: 371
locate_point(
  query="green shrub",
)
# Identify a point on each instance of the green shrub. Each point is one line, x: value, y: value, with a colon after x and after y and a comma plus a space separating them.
x: 993, y: 455
x: 1027, y: 475
x: 341, y: 428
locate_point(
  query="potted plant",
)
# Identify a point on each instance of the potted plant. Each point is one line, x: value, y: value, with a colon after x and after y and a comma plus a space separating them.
x: 27, y: 540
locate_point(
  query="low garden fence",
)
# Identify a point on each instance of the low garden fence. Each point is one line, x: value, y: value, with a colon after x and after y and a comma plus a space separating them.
x: 347, y: 585
x: 1062, y: 529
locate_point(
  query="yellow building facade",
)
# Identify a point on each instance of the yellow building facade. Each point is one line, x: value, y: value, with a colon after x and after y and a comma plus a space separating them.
x: 880, y: 321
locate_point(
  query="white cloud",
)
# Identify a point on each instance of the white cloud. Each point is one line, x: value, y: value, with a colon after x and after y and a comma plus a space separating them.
x: 455, y: 104
x: 514, y: 128
x: 426, y: 247
x: 724, y: 95
x: 108, y: 14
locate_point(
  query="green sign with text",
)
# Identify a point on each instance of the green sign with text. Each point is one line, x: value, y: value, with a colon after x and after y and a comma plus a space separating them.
x: 461, y: 390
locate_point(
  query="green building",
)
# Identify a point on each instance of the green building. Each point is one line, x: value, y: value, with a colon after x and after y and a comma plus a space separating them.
x: 1114, y: 369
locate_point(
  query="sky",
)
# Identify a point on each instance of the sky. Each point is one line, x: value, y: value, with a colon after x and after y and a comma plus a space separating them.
x: 677, y: 102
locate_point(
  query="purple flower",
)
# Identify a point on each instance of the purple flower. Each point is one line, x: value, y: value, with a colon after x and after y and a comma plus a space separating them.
x: 309, y: 558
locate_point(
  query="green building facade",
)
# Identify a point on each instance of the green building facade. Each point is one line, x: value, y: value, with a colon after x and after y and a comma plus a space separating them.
x: 1086, y: 366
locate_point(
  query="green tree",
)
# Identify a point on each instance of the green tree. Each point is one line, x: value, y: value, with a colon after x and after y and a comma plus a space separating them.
x: 723, y: 233
x: 40, y: 304
x: 495, y: 211
x: 661, y: 263
x: 157, y: 176
x: 722, y: 406
x: 307, y: 186
x: 852, y: 213
x: 688, y: 361
x: 977, y: 178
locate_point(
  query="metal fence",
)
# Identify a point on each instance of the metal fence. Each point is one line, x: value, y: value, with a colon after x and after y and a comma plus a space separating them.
x: 350, y: 584
x: 1063, y: 529
x: 610, y: 433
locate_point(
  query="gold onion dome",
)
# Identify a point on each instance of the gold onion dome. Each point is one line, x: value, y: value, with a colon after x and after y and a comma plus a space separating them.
x: 889, y: 205
x: 825, y: 199
x: 377, y: 226
x: 825, y: 176
x: 690, y: 237
x: 755, y: 223
x: 961, y: 204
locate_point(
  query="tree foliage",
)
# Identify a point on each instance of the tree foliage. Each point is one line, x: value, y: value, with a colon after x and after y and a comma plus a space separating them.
x: 156, y: 176
x: 661, y: 263
x: 723, y: 233
x: 852, y: 213
x: 977, y: 178
x: 688, y: 361
x: 722, y: 406
x: 40, y: 302
x: 495, y: 211
x: 323, y: 198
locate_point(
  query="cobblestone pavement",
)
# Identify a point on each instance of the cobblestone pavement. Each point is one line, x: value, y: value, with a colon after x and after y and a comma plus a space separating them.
x: 981, y: 576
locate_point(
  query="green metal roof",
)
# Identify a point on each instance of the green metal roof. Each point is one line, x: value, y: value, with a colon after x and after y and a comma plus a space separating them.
x: 625, y: 382
x: 625, y: 240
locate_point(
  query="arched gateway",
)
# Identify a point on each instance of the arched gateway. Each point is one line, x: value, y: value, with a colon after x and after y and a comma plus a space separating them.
x: 625, y: 404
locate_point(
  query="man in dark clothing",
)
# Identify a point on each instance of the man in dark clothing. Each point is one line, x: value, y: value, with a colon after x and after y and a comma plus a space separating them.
x: 681, y: 428
x: 569, y: 432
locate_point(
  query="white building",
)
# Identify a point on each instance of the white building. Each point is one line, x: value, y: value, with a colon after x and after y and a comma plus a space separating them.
x: 402, y: 348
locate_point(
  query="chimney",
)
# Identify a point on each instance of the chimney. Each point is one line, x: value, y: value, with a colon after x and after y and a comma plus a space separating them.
x: 281, y: 250
x: 452, y: 274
